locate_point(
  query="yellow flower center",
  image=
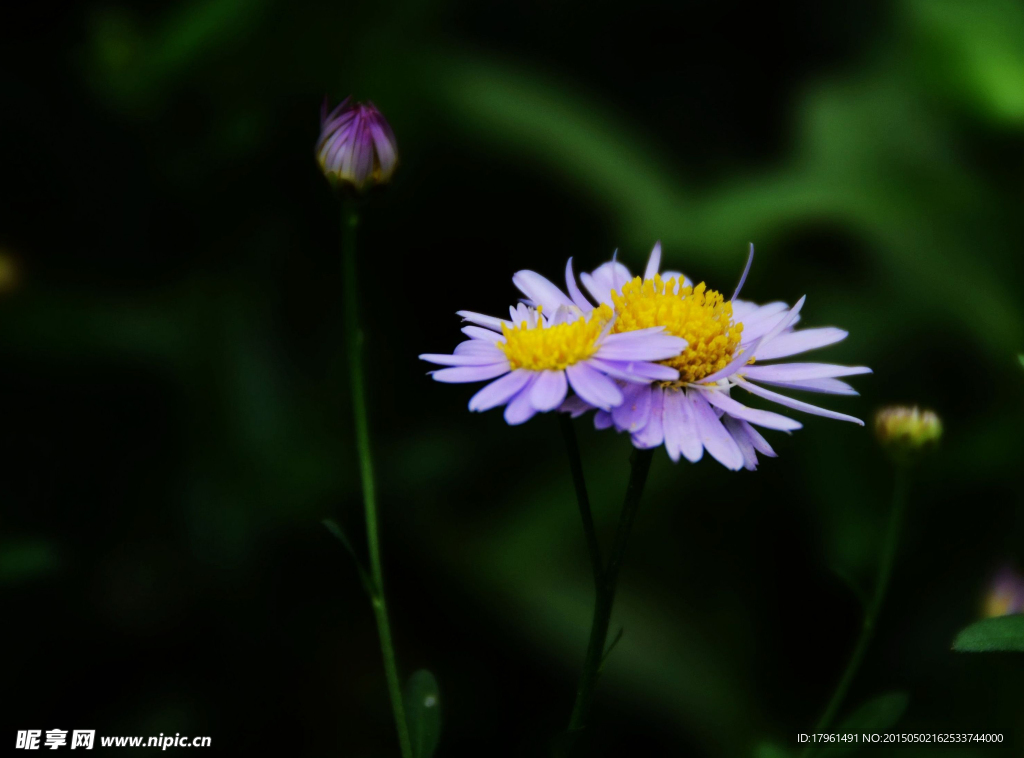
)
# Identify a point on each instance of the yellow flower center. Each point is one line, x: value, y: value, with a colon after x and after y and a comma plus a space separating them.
x: 700, y: 316
x: 554, y: 347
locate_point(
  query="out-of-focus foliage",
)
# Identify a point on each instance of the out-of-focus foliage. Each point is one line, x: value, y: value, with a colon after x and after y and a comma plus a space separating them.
x: 1002, y: 633
x: 179, y: 424
x: 22, y: 561
x: 877, y: 716
x: 423, y: 711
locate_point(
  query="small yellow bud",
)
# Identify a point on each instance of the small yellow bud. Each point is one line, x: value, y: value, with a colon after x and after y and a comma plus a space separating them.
x: 9, y: 272
x: 906, y: 431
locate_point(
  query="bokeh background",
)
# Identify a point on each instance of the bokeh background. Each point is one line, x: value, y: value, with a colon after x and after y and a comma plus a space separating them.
x: 176, y: 421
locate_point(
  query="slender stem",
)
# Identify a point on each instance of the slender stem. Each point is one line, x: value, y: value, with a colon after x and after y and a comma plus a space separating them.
x: 354, y: 337
x: 892, y: 535
x: 605, y: 595
x: 572, y: 449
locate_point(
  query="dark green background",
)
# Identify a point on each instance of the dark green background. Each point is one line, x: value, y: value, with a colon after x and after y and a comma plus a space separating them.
x: 175, y: 413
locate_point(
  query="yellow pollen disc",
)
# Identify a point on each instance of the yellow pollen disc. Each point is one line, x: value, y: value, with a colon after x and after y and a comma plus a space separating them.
x: 554, y: 347
x: 700, y: 316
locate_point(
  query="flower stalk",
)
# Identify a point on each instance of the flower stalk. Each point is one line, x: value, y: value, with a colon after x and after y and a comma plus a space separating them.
x: 606, y: 575
x: 897, y: 513
x: 375, y: 585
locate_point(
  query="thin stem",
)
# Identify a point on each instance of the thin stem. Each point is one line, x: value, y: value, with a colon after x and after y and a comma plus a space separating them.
x: 605, y: 595
x: 572, y: 449
x: 354, y: 337
x: 892, y: 535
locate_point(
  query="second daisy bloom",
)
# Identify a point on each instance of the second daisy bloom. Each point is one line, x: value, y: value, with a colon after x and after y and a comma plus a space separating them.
x: 727, y: 344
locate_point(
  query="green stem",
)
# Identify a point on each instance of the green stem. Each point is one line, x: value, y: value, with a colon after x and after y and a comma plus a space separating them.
x: 606, y: 581
x: 572, y: 449
x: 892, y: 534
x: 354, y: 338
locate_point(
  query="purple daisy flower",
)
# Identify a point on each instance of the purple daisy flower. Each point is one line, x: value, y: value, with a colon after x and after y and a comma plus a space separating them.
x: 535, y: 358
x: 356, y: 145
x: 696, y: 412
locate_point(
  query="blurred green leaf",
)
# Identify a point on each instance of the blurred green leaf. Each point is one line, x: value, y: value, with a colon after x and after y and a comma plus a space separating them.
x: 853, y: 584
x: 877, y: 714
x: 977, y: 51
x: 1021, y: 359
x: 130, y: 63
x: 423, y: 712
x: 1003, y: 633
x: 850, y: 140
x: 21, y: 561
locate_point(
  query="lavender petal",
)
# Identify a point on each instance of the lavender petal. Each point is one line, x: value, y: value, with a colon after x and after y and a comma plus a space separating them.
x: 718, y: 442
x: 519, y: 410
x: 753, y: 415
x: 540, y: 290
x: 471, y: 373
x: 635, y: 409
x: 792, y: 343
x: 548, y: 391
x: 593, y: 386
x: 500, y: 391
x: 652, y: 434
x: 791, y: 403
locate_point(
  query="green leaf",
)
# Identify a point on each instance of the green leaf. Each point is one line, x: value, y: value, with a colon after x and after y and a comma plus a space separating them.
x: 877, y: 714
x: 1021, y: 359
x: 423, y: 713
x: 989, y: 635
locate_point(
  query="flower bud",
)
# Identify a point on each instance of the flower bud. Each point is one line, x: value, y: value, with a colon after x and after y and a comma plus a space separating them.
x: 356, y: 146
x: 1005, y: 594
x: 906, y: 431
